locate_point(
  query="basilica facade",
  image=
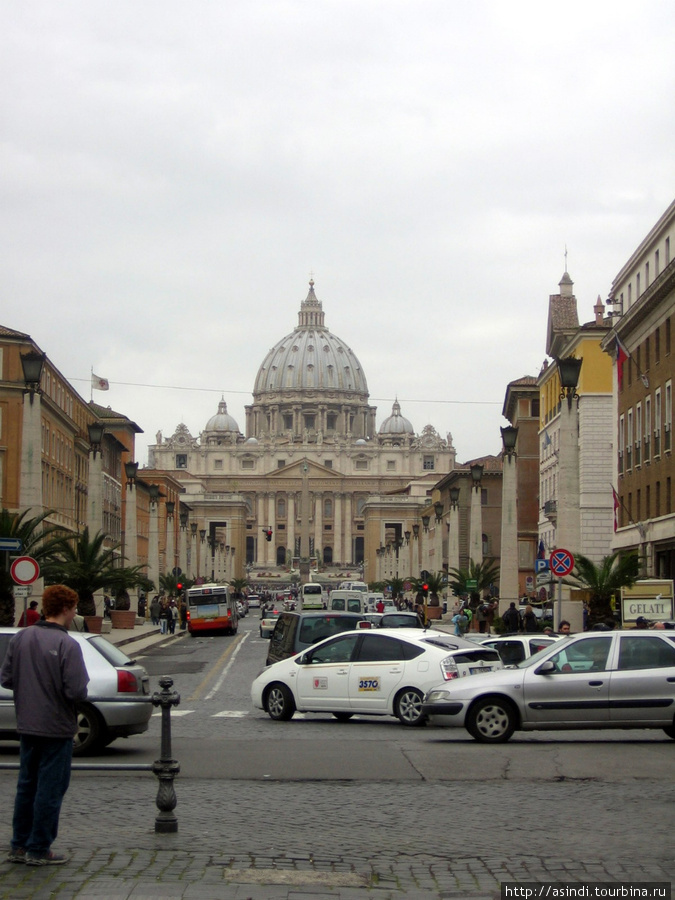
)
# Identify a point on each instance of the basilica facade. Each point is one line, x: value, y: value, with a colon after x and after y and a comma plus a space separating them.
x: 299, y: 480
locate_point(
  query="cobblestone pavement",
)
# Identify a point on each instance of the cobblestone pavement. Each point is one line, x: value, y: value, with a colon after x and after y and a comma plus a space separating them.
x: 293, y: 841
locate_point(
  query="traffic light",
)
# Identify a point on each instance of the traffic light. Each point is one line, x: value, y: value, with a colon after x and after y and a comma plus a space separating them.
x: 268, y: 534
x: 425, y: 590
x: 179, y: 586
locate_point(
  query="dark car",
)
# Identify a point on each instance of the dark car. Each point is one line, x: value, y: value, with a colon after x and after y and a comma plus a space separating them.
x: 296, y: 631
x: 400, y: 620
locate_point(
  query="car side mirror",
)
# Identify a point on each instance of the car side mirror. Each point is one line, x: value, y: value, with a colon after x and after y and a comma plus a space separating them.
x: 546, y: 668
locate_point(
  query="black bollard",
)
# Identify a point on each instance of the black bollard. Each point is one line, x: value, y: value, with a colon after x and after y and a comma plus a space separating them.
x: 166, y: 768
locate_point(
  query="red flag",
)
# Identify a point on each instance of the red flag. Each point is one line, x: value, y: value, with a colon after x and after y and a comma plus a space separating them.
x: 617, y: 505
x: 621, y: 356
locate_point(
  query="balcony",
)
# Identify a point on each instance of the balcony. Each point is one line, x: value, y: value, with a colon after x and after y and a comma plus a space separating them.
x: 551, y: 510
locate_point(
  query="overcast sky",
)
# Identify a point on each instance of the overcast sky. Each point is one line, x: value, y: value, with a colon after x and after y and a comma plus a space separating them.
x: 172, y: 173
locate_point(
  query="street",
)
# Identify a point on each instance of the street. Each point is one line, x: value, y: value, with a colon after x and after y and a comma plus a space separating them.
x: 407, y: 812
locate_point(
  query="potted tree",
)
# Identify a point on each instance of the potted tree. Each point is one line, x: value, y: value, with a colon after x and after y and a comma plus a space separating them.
x: 603, y: 580
x: 473, y: 580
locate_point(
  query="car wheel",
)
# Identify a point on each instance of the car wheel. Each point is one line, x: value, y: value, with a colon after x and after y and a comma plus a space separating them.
x: 408, y: 707
x: 343, y: 716
x: 279, y: 703
x: 261, y: 634
x: 670, y: 731
x: 491, y: 720
x: 90, y: 731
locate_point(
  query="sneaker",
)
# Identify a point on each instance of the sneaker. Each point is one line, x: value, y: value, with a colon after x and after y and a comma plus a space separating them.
x: 17, y: 855
x: 49, y: 859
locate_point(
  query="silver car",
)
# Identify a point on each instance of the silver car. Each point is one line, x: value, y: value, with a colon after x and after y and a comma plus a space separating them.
x: 111, y: 675
x: 620, y: 679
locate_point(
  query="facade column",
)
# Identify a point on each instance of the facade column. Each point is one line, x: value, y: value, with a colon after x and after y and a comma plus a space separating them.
x: 337, y: 527
x: 453, y: 537
x: 508, y: 569
x: 318, y: 526
x: 271, y: 559
x: 290, y: 523
x: 182, y: 546
x: 30, y: 486
x: 258, y: 527
x: 170, y: 553
x: 192, y: 563
x: 349, y: 524
x: 568, y: 526
x: 153, y: 537
x: 95, y: 493
x: 131, y: 531
x: 476, y: 524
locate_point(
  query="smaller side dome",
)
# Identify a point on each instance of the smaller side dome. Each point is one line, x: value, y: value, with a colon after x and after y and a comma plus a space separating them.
x: 361, y: 442
x: 251, y: 440
x: 396, y: 423
x: 222, y: 421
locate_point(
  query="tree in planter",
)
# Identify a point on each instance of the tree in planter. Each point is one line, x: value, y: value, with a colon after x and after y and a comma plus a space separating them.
x: 38, y: 540
x: 126, y: 577
x: 485, y: 574
x: 435, y: 582
x: 86, y: 566
x: 239, y: 585
x: 169, y: 584
x: 604, y: 580
x: 395, y: 585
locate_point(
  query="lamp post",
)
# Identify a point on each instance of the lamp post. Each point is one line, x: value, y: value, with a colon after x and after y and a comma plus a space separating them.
x: 453, y: 530
x: 193, y: 550
x: 476, y: 524
x: 130, y: 520
x: 438, y: 536
x: 568, y: 526
x: 202, y: 553
x: 95, y: 485
x: 508, y: 569
x: 169, y: 551
x: 183, y: 517
x: 30, y: 485
x: 153, y: 537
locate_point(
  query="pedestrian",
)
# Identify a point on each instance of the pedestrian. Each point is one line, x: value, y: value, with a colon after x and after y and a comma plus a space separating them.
x: 564, y: 627
x: 461, y: 623
x: 183, y: 615
x: 529, y: 620
x: 29, y: 616
x: 493, y: 606
x: 511, y: 619
x: 45, y: 668
x: 164, y: 614
x: 79, y: 623
x: 154, y: 610
x: 173, y: 617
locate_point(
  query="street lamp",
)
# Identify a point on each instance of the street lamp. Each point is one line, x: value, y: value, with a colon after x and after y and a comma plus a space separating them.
x: 454, y: 496
x: 438, y: 509
x: 476, y: 474
x: 509, y: 587
x: 193, y: 529
x: 96, y: 431
x: 32, y: 364
x: 569, y: 368
x: 425, y: 522
x: 416, y: 531
x: 509, y: 438
x: 154, y: 493
x: 170, y: 507
x: 131, y: 471
x: 476, y: 524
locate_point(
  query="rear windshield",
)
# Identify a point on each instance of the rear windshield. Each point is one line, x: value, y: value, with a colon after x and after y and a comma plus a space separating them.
x: 312, y: 589
x: 206, y: 599
x: 319, y: 627
x: 109, y: 651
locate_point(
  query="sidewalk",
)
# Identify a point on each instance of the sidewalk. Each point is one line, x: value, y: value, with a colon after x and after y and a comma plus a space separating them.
x: 131, y: 640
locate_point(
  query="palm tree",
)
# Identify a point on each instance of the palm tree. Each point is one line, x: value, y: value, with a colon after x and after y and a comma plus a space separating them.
x: 86, y: 566
x: 484, y: 574
x: 238, y: 585
x: 605, y: 580
x: 169, y: 584
x: 435, y: 582
x: 395, y: 585
x: 38, y: 540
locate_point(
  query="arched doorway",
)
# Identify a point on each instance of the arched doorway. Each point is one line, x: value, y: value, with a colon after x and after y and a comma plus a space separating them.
x: 281, y: 556
x: 328, y: 556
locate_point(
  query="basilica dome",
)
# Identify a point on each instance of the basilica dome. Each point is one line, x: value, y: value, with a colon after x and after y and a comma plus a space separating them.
x: 310, y: 358
x: 396, y: 423
x: 222, y: 421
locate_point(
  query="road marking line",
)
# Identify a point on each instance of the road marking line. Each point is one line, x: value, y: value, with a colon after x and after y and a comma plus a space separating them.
x: 223, y: 674
x: 229, y: 649
x: 175, y: 712
x: 230, y: 714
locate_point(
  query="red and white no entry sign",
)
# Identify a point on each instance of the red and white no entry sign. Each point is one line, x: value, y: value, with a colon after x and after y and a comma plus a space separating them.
x: 561, y: 562
x: 24, y: 570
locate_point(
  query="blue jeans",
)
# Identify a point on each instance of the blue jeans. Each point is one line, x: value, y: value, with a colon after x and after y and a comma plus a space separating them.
x: 44, y: 776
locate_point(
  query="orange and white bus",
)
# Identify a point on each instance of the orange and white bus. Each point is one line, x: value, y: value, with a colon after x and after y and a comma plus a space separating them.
x: 211, y: 607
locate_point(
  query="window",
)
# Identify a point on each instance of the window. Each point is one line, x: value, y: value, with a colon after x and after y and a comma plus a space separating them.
x: 428, y: 463
x: 328, y: 509
x: 646, y: 354
x: 361, y: 464
x: 331, y: 421
x: 657, y: 346
x: 645, y: 653
x: 657, y: 268
x: 288, y: 422
x: 328, y: 463
x: 629, y: 439
x: 648, y: 429
x: 281, y: 508
x: 621, y: 443
x: 181, y: 460
x: 667, y: 336
x: 217, y: 464
x: 391, y: 465
x: 582, y: 657
x: 281, y: 463
x: 248, y: 464
x: 309, y: 421
x: 534, y: 409
x: 657, y: 422
x: 668, y: 417
x: 483, y: 497
x: 638, y: 433
x: 338, y: 651
x: 377, y: 648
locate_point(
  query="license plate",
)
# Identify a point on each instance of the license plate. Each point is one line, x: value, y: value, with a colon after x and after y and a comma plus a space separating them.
x: 477, y: 670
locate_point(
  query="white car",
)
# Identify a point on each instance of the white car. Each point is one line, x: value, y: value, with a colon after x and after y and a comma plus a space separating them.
x: 369, y: 672
x: 514, y: 648
x: 619, y: 679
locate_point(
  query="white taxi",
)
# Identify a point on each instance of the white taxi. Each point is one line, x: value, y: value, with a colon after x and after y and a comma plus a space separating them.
x: 369, y: 673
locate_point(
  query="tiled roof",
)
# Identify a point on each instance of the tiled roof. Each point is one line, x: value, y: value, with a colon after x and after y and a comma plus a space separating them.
x: 9, y: 332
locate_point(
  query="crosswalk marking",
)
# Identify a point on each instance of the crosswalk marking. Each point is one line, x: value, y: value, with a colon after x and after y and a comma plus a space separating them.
x: 231, y: 714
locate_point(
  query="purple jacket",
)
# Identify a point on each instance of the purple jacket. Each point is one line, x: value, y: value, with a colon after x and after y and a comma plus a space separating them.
x: 45, y: 668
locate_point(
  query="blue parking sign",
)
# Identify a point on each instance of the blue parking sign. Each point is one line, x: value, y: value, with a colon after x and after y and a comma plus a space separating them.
x: 542, y: 565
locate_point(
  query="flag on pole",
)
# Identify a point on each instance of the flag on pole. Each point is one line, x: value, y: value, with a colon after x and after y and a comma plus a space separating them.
x: 541, y: 552
x: 621, y: 356
x: 99, y: 384
x: 617, y: 504
x: 547, y: 439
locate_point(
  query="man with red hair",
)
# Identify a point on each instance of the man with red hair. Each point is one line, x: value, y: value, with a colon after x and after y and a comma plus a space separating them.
x: 45, y: 668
